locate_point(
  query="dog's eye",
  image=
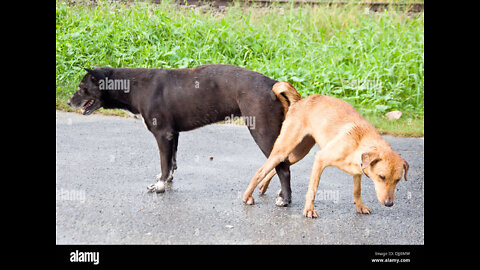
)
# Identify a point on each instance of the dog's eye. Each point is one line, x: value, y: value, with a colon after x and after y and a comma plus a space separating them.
x: 398, y: 180
x: 382, y: 177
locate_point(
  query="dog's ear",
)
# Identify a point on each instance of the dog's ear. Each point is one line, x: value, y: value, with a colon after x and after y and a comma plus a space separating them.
x: 405, y: 168
x: 97, y: 74
x: 369, y: 158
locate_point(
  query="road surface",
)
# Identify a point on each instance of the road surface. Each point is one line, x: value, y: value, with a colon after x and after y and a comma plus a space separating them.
x: 105, y: 163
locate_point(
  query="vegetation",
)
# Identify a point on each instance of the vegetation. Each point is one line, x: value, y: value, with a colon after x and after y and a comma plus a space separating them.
x: 375, y: 61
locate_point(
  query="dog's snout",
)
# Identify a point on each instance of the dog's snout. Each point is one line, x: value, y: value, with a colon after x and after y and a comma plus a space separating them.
x: 388, y: 203
x: 68, y: 102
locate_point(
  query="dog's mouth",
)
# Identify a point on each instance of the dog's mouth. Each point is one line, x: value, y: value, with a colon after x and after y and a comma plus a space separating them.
x: 89, y: 108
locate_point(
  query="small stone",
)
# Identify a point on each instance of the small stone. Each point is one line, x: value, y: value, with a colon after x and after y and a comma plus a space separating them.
x: 393, y: 115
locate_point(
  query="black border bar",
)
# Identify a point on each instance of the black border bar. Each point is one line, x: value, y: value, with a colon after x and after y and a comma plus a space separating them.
x: 149, y: 256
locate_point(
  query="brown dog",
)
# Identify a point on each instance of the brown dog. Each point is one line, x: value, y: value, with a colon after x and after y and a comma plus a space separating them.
x: 348, y: 142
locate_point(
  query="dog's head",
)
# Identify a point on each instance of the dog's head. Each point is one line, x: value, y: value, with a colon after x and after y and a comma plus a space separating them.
x: 385, y: 168
x: 88, y: 97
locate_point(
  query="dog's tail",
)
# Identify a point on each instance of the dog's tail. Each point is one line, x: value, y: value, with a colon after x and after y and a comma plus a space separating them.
x: 286, y: 93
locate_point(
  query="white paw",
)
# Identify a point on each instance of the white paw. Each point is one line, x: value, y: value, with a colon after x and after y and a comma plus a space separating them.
x: 279, y: 200
x: 158, y: 187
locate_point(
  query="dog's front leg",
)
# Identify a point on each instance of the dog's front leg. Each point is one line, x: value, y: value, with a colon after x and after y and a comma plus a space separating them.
x: 165, y: 142
x: 357, y: 199
x: 318, y: 167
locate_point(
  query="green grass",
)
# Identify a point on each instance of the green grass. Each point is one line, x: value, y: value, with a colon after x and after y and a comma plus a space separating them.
x: 373, y: 61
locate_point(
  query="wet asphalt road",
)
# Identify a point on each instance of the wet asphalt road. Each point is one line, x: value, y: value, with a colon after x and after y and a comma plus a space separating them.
x: 104, y: 164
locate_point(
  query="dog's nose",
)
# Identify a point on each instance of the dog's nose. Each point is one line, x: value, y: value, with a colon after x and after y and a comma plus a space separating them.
x: 388, y: 203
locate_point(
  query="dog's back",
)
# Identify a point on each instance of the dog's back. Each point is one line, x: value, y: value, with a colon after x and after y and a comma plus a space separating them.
x: 328, y: 117
x: 333, y: 116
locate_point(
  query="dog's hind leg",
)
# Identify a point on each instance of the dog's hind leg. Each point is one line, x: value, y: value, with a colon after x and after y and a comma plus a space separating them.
x: 266, y: 115
x: 284, y: 196
x: 290, y: 136
x: 262, y: 188
x: 298, y: 154
x: 259, y: 175
x: 174, y: 151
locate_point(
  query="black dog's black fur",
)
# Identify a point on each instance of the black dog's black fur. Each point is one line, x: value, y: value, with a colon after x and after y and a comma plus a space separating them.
x: 171, y: 101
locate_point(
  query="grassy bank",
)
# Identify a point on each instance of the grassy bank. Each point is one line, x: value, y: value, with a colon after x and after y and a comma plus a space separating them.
x: 373, y: 61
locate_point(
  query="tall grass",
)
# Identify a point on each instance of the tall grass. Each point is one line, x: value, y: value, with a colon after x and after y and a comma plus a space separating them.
x: 373, y: 61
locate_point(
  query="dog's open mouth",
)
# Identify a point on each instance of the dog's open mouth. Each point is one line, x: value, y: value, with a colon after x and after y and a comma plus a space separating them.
x: 87, y: 107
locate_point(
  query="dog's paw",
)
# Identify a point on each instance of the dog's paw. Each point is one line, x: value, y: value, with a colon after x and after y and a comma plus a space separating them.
x: 362, y: 209
x: 279, y: 201
x: 158, y: 187
x: 249, y: 200
x: 310, y: 213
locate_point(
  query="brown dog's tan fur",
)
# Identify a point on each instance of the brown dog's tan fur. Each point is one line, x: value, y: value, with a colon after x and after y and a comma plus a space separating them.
x: 347, y: 140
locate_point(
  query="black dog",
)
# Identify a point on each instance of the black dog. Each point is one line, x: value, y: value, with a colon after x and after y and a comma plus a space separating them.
x: 177, y: 100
